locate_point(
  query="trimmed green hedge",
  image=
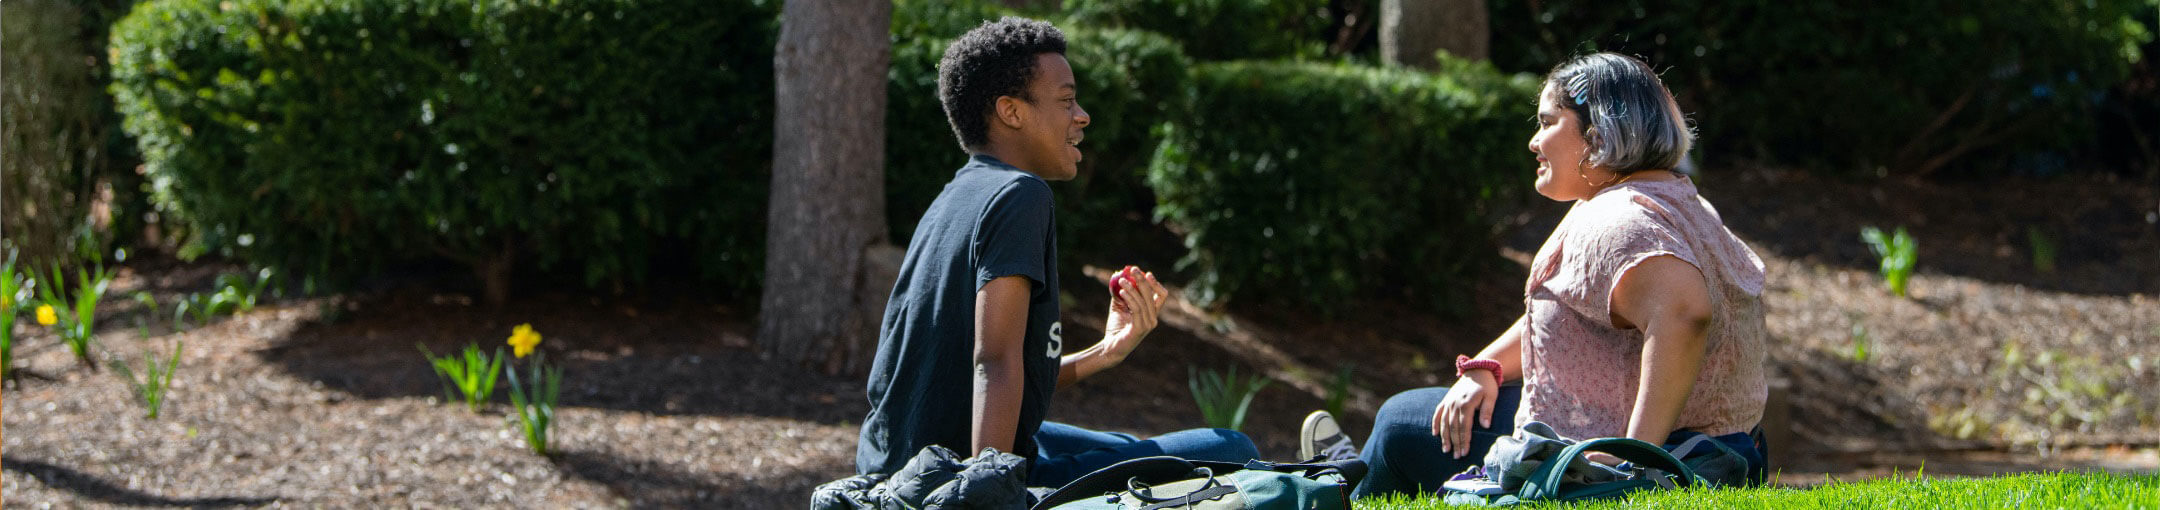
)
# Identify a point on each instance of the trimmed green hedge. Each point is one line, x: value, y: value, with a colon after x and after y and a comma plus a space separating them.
x: 920, y: 150
x: 915, y: 20
x: 1219, y: 29
x: 1317, y: 183
x: 1129, y: 82
x: 1306, y: 182
x: 333, y: 137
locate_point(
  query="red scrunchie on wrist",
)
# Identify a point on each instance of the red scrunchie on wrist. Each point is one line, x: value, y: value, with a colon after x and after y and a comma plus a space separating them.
x: 1463, y: 363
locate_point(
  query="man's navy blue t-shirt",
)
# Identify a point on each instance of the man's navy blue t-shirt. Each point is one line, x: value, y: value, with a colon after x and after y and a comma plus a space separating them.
x: 991, y: 221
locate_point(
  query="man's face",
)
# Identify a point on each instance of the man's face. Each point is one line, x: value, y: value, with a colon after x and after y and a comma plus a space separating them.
x: 1050, y: 131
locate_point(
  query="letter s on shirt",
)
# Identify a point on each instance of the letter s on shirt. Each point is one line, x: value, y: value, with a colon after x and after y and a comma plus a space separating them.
x: 1057, y: 339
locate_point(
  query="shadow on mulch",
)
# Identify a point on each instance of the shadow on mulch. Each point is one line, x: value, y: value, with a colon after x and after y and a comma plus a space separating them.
x: 663, y: 355
x: 675, y: 351
x: 2101, y: 229
x: 645, y: 484
x: 92, y: 488
x: 1823, y: 420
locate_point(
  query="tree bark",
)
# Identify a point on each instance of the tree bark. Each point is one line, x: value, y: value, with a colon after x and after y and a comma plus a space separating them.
x: 494, y: 273
x: 1411, y: 30
x: 822, y: 304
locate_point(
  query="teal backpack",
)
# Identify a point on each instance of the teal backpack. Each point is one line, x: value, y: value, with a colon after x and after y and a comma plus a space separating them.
x: 1650, y: 467
x: 1163, y: 483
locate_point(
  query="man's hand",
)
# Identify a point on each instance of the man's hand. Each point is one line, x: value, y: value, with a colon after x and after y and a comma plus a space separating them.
x: 1133, y: 314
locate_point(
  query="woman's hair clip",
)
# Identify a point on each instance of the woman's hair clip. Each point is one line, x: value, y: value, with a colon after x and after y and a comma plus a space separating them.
x: 1579, y: 87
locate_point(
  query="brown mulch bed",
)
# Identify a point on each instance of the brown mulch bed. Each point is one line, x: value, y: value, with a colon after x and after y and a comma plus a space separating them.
x: 1989, y: 353
x: 662, y: 407
x: 324, y: 402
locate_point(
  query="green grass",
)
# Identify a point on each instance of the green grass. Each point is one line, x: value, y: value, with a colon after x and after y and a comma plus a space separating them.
x: 2034, y: 490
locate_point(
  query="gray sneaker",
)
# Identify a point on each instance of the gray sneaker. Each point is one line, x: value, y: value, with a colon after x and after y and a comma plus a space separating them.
x: 1323, y: 439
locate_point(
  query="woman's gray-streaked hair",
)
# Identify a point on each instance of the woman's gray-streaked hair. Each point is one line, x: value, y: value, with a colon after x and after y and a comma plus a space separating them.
x: 1630, y: 120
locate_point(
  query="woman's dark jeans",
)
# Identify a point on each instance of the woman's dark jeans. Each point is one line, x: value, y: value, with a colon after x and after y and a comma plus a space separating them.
x: 1406, y: 458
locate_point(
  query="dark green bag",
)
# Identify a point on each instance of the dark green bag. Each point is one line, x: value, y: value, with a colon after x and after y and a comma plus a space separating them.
x: 1161, y: 483
x: 1654, y: 468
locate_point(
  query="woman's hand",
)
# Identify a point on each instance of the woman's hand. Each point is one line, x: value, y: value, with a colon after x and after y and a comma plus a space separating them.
x: 1472, y: 396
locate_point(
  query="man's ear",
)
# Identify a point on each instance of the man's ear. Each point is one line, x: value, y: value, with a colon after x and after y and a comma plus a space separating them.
x: 1010, y: 111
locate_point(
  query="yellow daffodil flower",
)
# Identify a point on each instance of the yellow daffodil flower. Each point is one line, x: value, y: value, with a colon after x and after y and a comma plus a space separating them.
x: 522, y: 340
x: 46, y: 317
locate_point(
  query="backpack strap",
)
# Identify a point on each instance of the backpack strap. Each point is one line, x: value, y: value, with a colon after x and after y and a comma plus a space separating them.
x: 1195, y: 498
x: 1117, y: 477
x: 1544, y: 483
x: 1213, y: 488
x: 1166, y: 469
x: 1351, y: 470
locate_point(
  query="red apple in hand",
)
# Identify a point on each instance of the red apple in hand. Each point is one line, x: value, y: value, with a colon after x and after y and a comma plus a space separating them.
x: 1117, y: 281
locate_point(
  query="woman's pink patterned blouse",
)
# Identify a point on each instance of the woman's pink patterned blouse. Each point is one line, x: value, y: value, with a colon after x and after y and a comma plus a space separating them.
x: 1580, y: 374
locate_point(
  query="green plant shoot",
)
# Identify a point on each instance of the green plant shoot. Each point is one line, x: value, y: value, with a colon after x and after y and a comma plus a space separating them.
x: 202, y: 308
x: 150, y: 307
x: 11, y: 286
x: 1898, y: 252
x: 150, y: 389
x: 1224, y: 399
x: 77, y: 328
x: 2043, y: 250
x: 1859, y: 342
x: 535, y: 405
x: 472, y: 374
x: 235, y: 294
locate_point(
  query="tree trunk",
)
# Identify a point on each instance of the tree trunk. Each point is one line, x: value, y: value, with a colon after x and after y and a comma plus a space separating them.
x: 822, y: 304
x: 494, y: 273
x: 1411, y: 30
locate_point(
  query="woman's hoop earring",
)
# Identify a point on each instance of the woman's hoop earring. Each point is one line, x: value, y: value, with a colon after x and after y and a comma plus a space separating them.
x: 1590, y: 135
x: 1585, y: 163
x: 1616, y: 178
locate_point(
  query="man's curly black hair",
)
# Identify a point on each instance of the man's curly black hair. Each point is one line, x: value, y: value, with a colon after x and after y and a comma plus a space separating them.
x: 995, y: 59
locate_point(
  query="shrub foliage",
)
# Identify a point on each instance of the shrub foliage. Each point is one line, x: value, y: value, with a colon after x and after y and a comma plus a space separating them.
x: 331, y: 137
x: 1325, y: 182
x: 1219, y: 29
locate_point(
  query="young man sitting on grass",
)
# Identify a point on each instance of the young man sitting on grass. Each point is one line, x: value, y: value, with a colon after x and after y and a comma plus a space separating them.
x: 969, y: 353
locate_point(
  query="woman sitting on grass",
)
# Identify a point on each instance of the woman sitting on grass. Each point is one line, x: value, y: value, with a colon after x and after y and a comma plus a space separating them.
x: 1644, y: 314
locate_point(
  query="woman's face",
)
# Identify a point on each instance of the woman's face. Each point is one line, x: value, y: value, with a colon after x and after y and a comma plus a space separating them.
x: 1560, y: 151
